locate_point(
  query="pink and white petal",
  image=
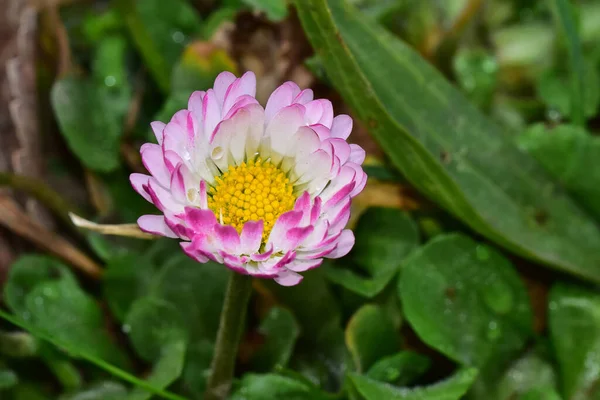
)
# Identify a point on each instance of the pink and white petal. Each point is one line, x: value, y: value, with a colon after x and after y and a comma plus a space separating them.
x: 340, y: 195
x: 155, y: 224
x: 315, y: 211
x: 251, y: 237
x: 153, y: 160
x: 191, y: 250
x: 239, y: 136
x: 357, y: 154
x: 322, y: 131
x: 360, y: 178
x: 303, y: 205
x: 282, y: 128
x: 138, y: 181
x: 344, y: 244
x: 304, y: 97
x: 314, y: 112
x: 203, y: 195
x: 347, y: 175
x: 293, y: 238
x: 341, y: 216
x: 244, y: 86
x: 242, y: 102
x: 341, y: 126
x: 284, y: 223
x: 177, y: 224
x: 203, y: 221
x: 185, y: 186
x: 303, y: 265
x: 341, y: 149
x: 256, y: 126
x: 288, y: 278
x: 158, y: 128
x: 222, y: 83
x: 162, y: 198
x: 195, y: 103
x: 228, y: 238
x: 319, y: 111
x: 174, y: 138
x: 180, y: 118
x: 360, y: 185
x: 265, y: 255
x: 282, y: 97
x: 220, y: 152
x: 304, y: 142
x: 316, y: 238
x: 317, y: 164
x: 211, y: 114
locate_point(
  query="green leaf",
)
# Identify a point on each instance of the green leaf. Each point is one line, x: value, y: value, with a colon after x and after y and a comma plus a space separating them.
x: 101, y: 391
x: 526, y: 375
x: 126, y: 278
x: 88, y: 122
x: 43, y: 292
x: 160, y: 31
x: 64, y: 311
x: 313, y: 305
x: 196, y: 290
x: 384, y: 237
x: 574, y: 319
x: 28, y: 391
x: 276, y: 10
x: 564, y: 14
x: 553, y: 89
x: 77, y: 352
x: 275, y: 387
x: 570, y: 154
x: 8, y: 378
x: 467, y: 301
x: 400, y: 369
x: 477, y: 73
x: 28, y: 271
x: 109, y: 67
x: 281, y: 331
x: 541, y: 394
x: 444, y: 146
x: 452, y: 388
x: 197, y: 367
x: 158, y: 333
x: 370, y: 335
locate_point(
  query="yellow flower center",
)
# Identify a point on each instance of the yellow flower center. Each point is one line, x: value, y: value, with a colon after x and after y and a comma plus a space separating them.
x: 250, y: 192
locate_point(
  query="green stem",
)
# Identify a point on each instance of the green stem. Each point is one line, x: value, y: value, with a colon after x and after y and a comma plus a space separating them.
x: 231, y: 327
x: 42, y: 192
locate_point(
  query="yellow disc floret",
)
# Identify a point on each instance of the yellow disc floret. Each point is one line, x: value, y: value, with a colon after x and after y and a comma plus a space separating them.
x: 252, y: 191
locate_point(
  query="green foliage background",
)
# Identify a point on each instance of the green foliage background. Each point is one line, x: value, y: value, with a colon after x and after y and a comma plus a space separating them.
x: 477, y: 260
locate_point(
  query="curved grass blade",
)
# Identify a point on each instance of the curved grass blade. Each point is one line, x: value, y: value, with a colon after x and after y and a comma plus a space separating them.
x: 565, y: 20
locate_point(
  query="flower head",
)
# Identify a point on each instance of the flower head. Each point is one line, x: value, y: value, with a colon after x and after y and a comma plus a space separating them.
x: 264, y: 191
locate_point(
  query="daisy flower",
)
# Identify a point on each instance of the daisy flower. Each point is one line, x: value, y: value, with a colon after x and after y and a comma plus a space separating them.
x: 264, y: 191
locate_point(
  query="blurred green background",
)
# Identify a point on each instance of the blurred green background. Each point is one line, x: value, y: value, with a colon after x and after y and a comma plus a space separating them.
x: 477, y: 260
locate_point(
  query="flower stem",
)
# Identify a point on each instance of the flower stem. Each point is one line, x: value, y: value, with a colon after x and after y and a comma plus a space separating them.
x: 231, y: 327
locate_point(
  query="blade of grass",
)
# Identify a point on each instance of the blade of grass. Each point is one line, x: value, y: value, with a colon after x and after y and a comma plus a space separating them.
x: 567, y: 26
x: 117, y: 372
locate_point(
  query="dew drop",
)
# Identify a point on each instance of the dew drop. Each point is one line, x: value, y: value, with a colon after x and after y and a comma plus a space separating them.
x: 110, y: 81
x: 482, y: 253
x: 126, y: 328
x: 217, y: 153
x: 498, y: 297
x: 178, y: 37
x: 494, y: 331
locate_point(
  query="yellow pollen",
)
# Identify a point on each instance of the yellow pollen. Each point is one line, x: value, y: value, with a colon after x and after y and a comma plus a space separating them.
x: 250, y: 192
